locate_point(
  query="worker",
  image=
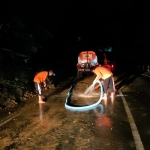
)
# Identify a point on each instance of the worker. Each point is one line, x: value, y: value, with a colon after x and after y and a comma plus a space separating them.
x: 105, y: 63
x: 105, y: 60
x: 40, y: 80
x: 106, y: 77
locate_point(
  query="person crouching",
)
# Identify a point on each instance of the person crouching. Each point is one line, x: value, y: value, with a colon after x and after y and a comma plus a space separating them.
x: 105, y: 76
x: 40, y: 80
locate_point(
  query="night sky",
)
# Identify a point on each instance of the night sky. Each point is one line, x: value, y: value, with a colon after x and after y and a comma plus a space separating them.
x: 123, y: 25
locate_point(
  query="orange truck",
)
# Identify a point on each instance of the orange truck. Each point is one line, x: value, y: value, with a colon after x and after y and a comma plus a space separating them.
x: 86, y: 59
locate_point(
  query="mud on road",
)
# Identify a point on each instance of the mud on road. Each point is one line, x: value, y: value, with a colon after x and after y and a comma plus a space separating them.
x: 50, y: 126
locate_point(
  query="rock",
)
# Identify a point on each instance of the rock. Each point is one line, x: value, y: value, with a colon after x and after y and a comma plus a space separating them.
x: 24, y: 98
x: 10, y: 103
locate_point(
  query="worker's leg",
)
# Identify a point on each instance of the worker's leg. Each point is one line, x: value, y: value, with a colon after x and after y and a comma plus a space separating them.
x: 105, y: 87
x: 111, y: 86
x: 39, y: 90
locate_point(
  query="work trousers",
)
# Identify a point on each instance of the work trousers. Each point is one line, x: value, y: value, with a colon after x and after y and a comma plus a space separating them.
x: 38, y: 87
x: 108, y: 83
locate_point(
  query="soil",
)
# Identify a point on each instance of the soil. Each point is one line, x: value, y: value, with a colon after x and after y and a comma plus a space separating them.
x: 50, y: 126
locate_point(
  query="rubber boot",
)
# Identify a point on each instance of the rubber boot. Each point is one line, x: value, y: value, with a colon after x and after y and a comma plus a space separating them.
x: 41, y: 100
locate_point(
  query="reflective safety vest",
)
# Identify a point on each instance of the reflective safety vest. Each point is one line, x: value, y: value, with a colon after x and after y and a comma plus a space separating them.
x: 102, y: 71
x: 41, y: 77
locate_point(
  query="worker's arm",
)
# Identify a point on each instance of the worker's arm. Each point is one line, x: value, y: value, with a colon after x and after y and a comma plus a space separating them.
x: 99, y: 75
x: 44, y: 83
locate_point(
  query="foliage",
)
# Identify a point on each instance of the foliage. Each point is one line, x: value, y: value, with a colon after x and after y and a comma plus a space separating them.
x: 19, y: 41
x: 14, y: 35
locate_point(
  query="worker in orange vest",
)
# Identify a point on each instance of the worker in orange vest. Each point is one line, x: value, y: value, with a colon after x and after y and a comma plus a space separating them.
x: 105, y: 76
x: 105, y: 60
x: 105, y: 63
x: 40, y: 81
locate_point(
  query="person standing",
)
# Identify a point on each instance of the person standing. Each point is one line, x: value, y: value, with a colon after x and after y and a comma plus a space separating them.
x: 106, y: 77
x: 40, y: 80
x: 105, y: 60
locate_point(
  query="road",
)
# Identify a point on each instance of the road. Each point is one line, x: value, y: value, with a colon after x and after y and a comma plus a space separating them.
x: 121, y: 123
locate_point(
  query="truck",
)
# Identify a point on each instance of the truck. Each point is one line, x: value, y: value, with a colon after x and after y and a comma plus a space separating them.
x: 86, y: 59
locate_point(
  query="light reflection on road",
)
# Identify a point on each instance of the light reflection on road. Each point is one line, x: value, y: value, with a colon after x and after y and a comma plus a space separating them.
x: 105, y: 103
x: 101, y: 118
x: 112, y: 100
x: 41, y: 113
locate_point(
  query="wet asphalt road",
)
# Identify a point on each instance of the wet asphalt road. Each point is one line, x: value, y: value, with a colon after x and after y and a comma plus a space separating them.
x: 121, y: 123
x: 137, y: 95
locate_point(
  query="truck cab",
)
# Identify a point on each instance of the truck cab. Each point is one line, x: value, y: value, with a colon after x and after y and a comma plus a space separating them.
x: 86, y: 59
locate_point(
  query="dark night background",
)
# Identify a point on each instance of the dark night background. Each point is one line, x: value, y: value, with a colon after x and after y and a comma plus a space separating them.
x: 46, y: 32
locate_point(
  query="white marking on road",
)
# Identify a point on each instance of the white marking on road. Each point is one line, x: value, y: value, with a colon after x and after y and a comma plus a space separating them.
x: 135, y: 133
x: 146, y: 75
